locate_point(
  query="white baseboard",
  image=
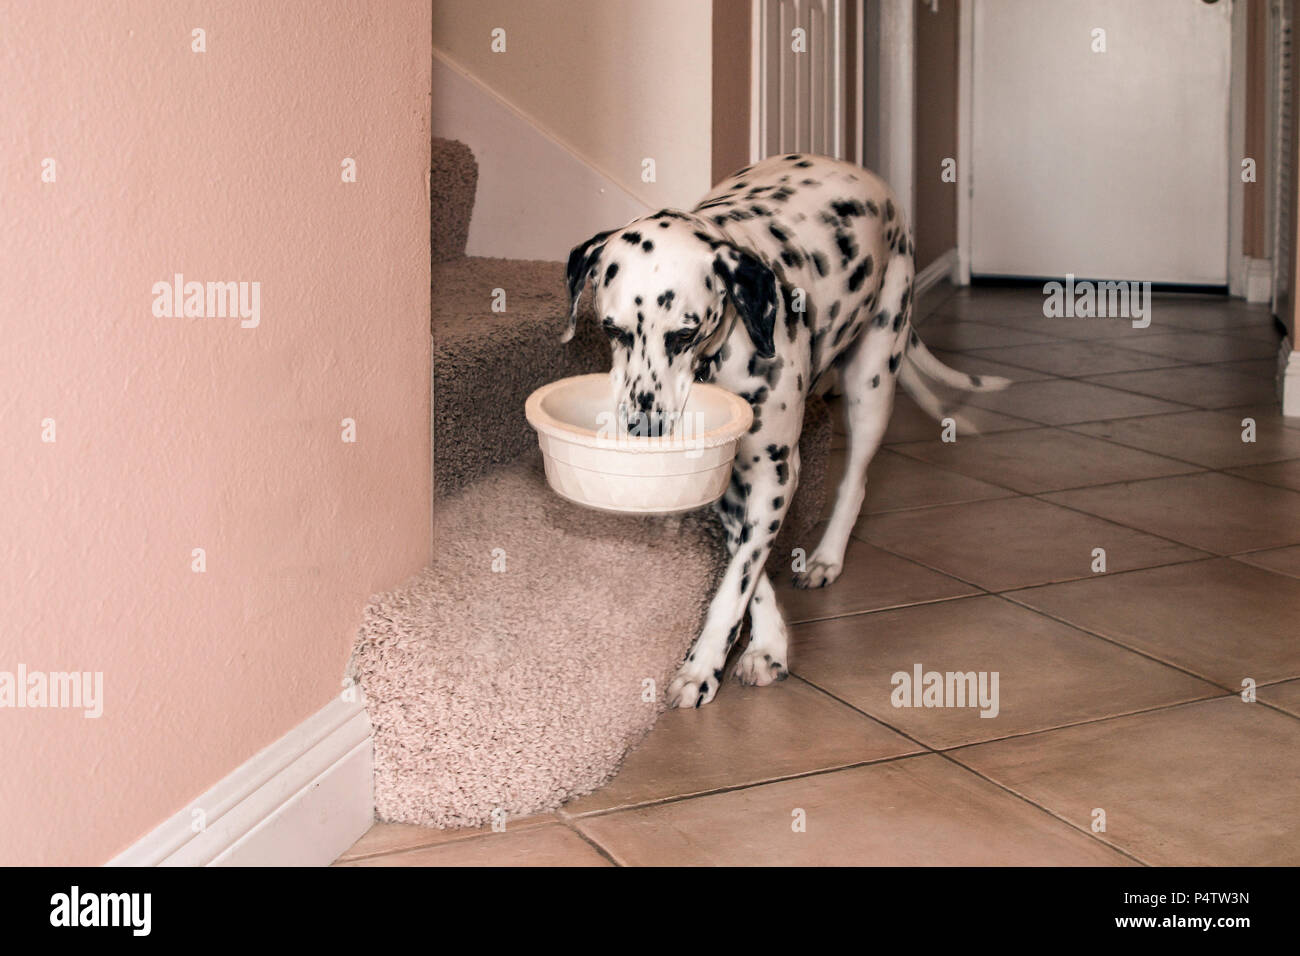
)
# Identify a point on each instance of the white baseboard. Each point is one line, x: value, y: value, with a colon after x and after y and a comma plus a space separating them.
x: 1258, y: 280
x: 1288, y: 378
x: 300, y: 802
x: 942, y: 268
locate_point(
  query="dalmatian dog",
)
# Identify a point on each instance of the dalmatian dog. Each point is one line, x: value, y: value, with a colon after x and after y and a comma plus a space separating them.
x: 786, y: 270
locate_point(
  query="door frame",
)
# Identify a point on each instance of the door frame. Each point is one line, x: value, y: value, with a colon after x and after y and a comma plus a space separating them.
x: 1240, y: 268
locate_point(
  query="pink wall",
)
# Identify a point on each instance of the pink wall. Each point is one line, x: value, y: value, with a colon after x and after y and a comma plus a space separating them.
x: 182, y: 433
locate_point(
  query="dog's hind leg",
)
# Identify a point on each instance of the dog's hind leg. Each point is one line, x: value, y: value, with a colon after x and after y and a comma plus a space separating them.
x: 867, y: 372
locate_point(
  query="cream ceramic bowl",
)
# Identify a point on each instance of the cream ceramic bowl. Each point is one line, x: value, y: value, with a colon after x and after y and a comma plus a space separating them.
x: 590, y: 463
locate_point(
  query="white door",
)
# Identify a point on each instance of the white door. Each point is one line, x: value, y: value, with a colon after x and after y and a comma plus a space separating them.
x: 1104, y: 162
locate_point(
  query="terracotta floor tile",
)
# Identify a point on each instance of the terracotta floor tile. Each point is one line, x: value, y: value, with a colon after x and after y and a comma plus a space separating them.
x: 1199, y: 346
x: 745, y: 736
x: 553, y: 845
x: 1284, y: 474
x: 1212, y: 439
x: 1220, y: 619
x: 922, y: 811
x: 1014, y: 542
x: 393, y: 837
x: 1077, y: 359
x: 961, y: 336
x: 980, y: 363
x: 1209, y: 314
x: 1049, y: 674
x: 1212, y: 783
x: 1285, y: 695
x: 872, y: 579
x: 1269, y: 413
x: 1110, y: 331
x: 1062, y: 402
x: 896, y: 482
x: 1043, y: 459
x: 1204, y: 386
x: 1259, y: 368
x: 1281, y: 560
x: 909, y: 423
x: 1210, y: 511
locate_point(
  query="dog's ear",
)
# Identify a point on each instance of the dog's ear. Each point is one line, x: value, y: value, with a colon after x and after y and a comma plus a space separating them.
x: 751, y: 286
x: 582, y: 259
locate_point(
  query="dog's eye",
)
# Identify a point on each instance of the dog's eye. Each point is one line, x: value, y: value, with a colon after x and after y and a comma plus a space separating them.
x: 679, y: 340
x: 621, y: 336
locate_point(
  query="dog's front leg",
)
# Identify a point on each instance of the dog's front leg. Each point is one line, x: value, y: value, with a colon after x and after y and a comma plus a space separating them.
x: 765, y: 480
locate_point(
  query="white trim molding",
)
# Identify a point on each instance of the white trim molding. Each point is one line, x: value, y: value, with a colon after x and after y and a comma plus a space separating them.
x: 1257, y: 280
x: 965, y: 137
x: 302, y: 801
x: 1288, y: 379
x: 944, y: 267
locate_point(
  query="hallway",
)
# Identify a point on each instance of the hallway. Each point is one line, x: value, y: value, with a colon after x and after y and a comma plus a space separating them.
x: 1120, y: 735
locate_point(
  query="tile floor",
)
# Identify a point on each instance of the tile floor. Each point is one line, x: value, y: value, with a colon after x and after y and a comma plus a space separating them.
x: 1119, y: 691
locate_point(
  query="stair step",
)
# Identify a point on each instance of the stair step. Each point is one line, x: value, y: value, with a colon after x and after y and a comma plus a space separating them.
x: 486, y: 363
x: 453, y: 179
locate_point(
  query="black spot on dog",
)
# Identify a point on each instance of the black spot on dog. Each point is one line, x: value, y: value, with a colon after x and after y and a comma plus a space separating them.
x: 893, y: 362
x: 664, y: 225
x: 631, y: 238
x: 778, y: 233
x: 778, y: 501
x: 835, y: 309
x: 889, y: 209
x: 774, y: 527
x: 803, y: 165
x: 976, y: 381
x: 860, y: 274
x: 848, y: 248
x: 611, y: 272
x: 791, y: 258
x: 847, y: 208
x: 872, y: 208
x: 665, y: 299
x: 875, y: 381
x: 819, y: 262
x: 760, y: 211
x: 898, y: 321
x: 647, y: 246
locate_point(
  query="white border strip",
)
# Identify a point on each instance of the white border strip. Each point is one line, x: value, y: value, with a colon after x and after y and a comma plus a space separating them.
x: 300, y: 802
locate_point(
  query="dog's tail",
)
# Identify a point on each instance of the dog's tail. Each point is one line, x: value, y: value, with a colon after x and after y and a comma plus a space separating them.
x: 921, y: 371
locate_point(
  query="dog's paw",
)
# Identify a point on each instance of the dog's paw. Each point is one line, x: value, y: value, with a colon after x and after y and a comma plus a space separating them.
x: 818, y: 574
x: 691, y: 690
x: 759, y: 668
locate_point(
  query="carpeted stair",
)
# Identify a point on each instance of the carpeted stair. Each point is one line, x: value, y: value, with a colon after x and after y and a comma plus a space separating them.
x: 518, y: 669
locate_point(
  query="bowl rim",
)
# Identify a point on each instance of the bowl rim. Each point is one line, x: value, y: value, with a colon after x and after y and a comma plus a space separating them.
x: 737, y: 424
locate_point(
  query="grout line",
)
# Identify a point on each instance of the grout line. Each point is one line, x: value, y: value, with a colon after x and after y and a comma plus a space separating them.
x: 944, y: 755
x: 592, y: 842
x: 733, y: 788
